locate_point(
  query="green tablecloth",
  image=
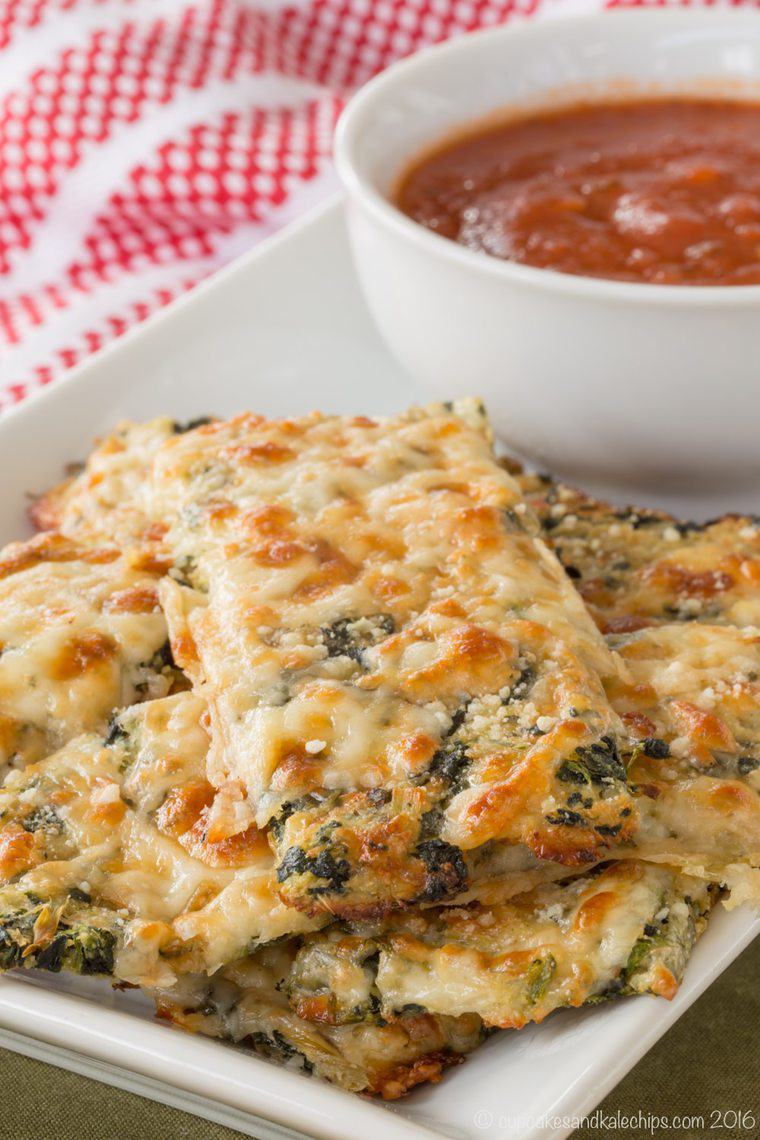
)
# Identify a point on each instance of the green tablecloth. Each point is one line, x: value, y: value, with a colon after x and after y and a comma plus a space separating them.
x: 709, y: 1061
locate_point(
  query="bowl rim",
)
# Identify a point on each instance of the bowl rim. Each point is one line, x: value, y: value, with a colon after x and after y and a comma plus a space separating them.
x: 389, y: 215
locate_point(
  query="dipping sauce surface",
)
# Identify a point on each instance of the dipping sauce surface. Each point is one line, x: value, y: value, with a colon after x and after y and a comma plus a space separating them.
x: 666, y: 192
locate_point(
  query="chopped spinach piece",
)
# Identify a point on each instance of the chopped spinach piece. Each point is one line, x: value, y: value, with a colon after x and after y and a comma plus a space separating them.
x: 277, y: 822
x: 539, y: 974
x: 163, y: 658
x: 278, y: 1048
x: 430, y: 823
x: 115, y: 733
x: 180, y: 428
x: 78, y: 945
x: 349, y: 637
x: 642, y: 948
x: 594, y: 764
x: 447, y: 872
x: 44, y: 818
x: 335, y: 871
x: 449, y: 763
x: 80, y: 949
x: 565, y: 818
x: 656, y: 748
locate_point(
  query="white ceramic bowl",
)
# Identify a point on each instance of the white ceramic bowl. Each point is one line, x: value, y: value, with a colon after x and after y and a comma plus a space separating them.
x: 633, y: 389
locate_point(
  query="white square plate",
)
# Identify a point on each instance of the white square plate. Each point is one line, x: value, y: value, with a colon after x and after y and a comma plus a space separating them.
x: 284, y: 330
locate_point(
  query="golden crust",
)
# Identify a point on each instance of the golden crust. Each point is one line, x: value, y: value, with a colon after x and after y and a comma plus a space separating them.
x: 247, y: 1004
x: 693, y: 703
x: 131, y: 820
x: 406, y: 700
x: 105, y: 501
x: 680, y: 603
x: 383, y: 1007
x: 81, y: 634
x: 363, y: 598
x: 635, y: 568
x: 621, y: 929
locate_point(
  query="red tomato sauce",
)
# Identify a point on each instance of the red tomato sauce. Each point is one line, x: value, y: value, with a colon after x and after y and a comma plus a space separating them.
x: 665, y: 192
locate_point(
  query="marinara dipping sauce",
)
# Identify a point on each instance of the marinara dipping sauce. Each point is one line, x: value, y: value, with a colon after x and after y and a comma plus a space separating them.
x: 666, y: 191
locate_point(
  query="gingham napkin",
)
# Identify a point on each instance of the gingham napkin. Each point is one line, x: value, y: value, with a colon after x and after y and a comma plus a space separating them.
x: 145, y: 143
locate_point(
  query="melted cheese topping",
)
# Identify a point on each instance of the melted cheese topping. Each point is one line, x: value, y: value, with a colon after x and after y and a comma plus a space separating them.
x: 559, y: 946
x: 349, y: 1003
x: 106, y: 501
x: 358, y: 593
x: 636, y: 568
x: 694, y: 703
x: 81, y: 635
x: 398, y: 674
x: 127, y: 824
x: 692, y: 695
x: 247, y: 1003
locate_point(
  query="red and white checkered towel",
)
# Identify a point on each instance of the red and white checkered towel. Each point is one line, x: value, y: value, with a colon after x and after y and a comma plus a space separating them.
x: 145, y: 143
